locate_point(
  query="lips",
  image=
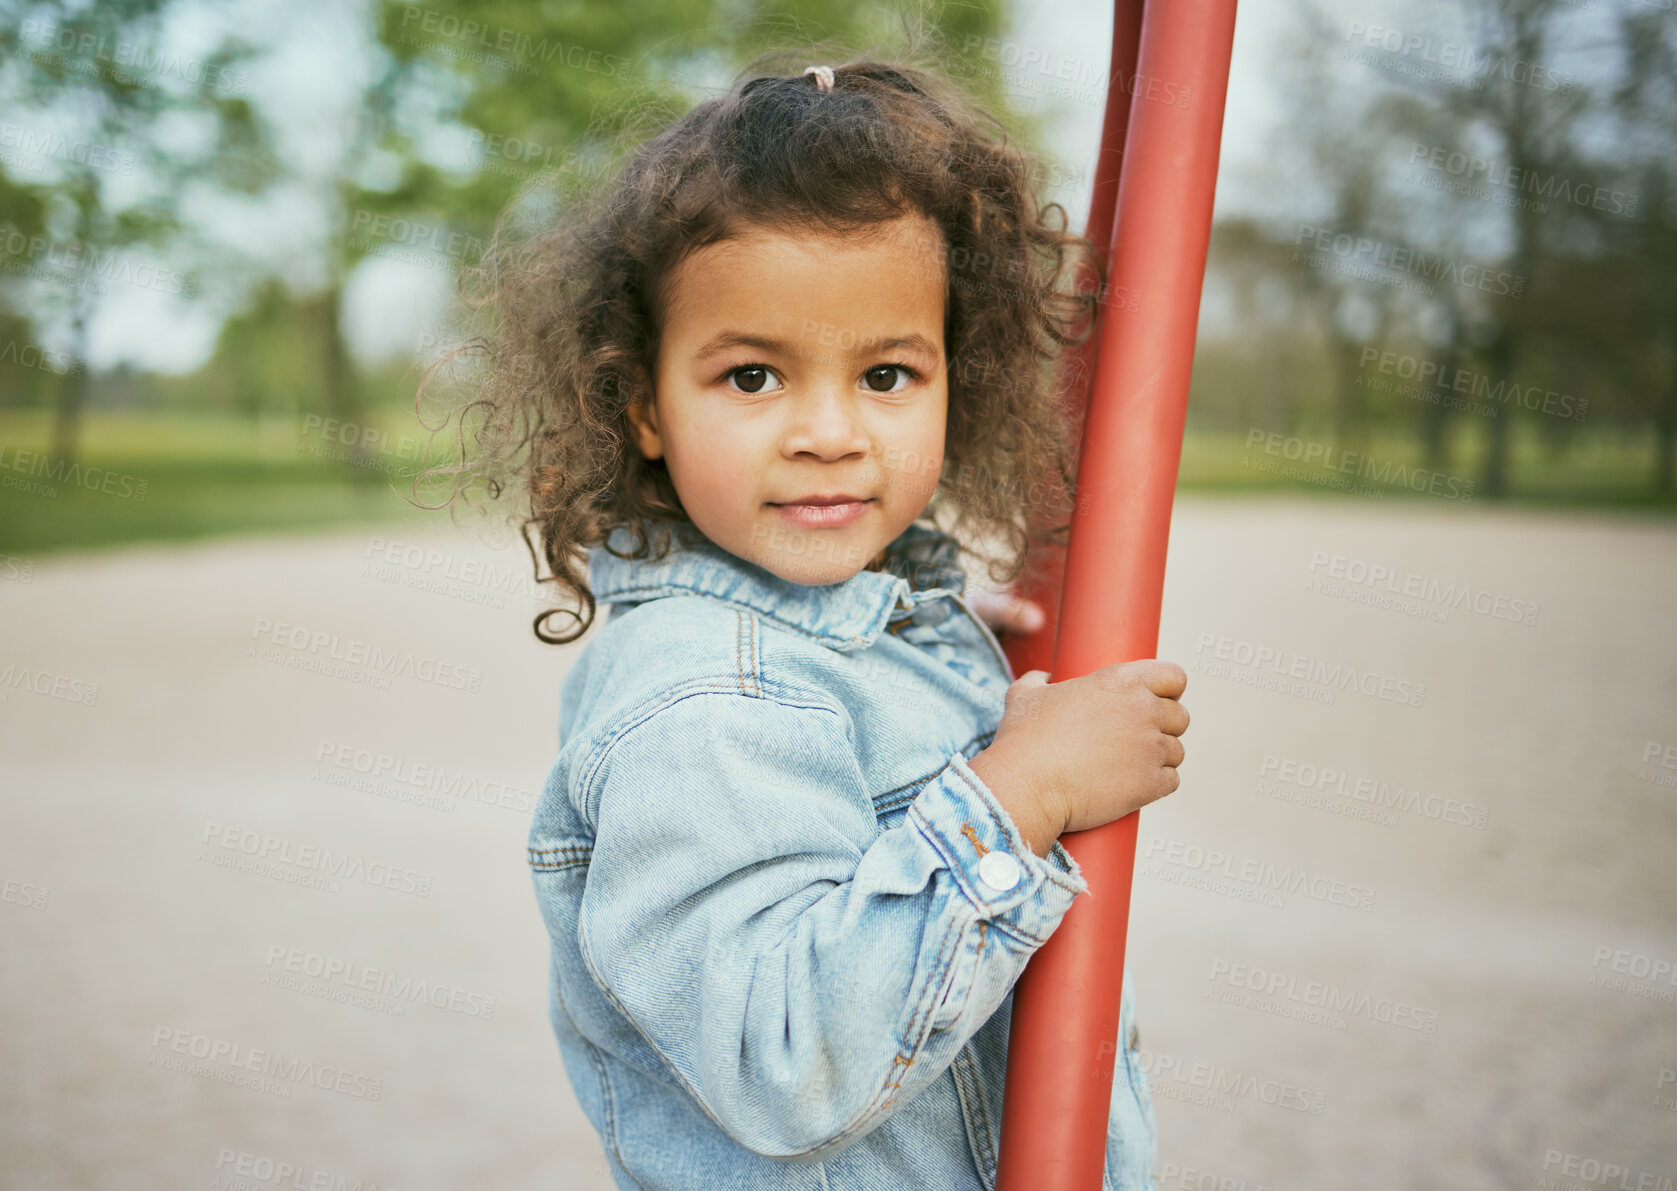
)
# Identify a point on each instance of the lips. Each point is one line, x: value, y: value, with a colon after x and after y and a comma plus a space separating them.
x: 843, y: 498
x: 833, y: 511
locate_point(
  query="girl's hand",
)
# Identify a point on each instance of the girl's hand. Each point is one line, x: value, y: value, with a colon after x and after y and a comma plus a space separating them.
x: 1082, y: 752
x: 1006, y: 612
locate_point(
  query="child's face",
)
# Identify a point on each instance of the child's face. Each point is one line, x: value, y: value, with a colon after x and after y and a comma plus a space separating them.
x: 792, y: 366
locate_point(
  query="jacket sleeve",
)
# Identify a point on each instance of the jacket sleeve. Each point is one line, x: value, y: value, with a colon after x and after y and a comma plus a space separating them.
x: 803, y: 973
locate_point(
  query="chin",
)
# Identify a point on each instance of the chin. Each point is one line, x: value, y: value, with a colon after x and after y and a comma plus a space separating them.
x: 809, y: 572
x: 811, y: 558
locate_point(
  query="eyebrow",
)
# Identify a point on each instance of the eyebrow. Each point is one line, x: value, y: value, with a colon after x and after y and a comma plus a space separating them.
x: 724, y: 340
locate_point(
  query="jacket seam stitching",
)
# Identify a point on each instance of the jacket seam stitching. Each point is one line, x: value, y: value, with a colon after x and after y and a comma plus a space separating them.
x: 538, y: 858
x: 608, y: 1102
x: 1051, y: 872
x: 973, y: 1087
x: 909, y: 790
x: 995, y: 917
x: 949, y: 947
x: 880, y: 1099
x: 882, y: 1096
x: 989, y: 1130
x: 645, y: 593
x: 596, y: 756
x: 745, y: 654
x: 692, y: 1091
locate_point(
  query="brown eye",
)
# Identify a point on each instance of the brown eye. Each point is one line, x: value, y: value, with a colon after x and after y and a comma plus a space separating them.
x: 883, y: 378
x: 751, y: 379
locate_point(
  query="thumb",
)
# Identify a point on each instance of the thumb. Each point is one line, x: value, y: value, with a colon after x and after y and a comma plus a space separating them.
x: 1029, y: 680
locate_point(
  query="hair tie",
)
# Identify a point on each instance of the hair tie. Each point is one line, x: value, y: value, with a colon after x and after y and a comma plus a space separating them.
x: 823, y: 77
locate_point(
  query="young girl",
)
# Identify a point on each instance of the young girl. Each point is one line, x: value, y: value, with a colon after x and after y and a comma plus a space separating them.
x: 800, y: 838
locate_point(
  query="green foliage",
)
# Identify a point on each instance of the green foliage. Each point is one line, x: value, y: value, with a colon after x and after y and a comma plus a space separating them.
x: 556, y: 92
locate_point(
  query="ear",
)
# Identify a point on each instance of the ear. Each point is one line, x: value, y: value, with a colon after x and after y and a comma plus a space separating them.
x: 643, y: 417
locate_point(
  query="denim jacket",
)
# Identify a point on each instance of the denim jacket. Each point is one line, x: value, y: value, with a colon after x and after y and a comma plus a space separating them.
x: 785, y: 915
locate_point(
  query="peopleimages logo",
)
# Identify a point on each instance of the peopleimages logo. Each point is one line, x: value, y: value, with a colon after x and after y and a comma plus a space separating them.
x: 1216, y: 1083
x: 1406, y: 799
x: 1432, y: 375
x: 1472, y: 168
x: 352, y: 658
x: 1476, y: 63
x: 1636, y: 973
x: 272, y: 855
x: 1173, y: 1177
x: 383, y: 773
x: 239, y: 1170
x: 339, y: 979
x: 64, y: 471
x: 31, y: 143
x: 1593, y: 1172
x: 1328, y: 243
x: 1259, y: 874
x: 1315, y: 994
x: 1359, y: 464
x: 35, y: 256
x: 1298, y: 668
x: 227, y: 1061
x: 1423, y: 588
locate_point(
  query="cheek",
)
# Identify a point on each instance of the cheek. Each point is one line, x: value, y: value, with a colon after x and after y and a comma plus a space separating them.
x: 707, y: 457
x: 915, y: 456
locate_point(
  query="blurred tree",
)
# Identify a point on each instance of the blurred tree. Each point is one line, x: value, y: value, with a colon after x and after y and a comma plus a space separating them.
x: 471, y: 101
x: 1646, y: 101
x: 476, y: 100
x: 1517, y: 99
x: 98, y: 71
x: 256, y: 366
x: 22, y: 221
x: 1333, y: 166
x: 1483, y: 87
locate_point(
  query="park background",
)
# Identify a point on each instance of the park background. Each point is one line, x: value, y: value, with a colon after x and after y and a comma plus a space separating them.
x: 1431, y: 435
x: 230, y: 234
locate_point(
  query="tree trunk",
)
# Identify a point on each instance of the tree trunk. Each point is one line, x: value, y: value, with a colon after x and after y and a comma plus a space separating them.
x: 1435, y: 417
x: 1494, y: 482
x: 1350, y: 413
x: 1665, y: 432
x: 72, y: 391
x: 341, y: 389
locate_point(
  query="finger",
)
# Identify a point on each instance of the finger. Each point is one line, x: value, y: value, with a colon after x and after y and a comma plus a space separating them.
x: 1173, y: 717
x: 1165, y: 679
x: 1029, y: 617
x: 1027, y: 681
x: 985, y: 604
x: 1007, y: 612
x: 1175, y: 754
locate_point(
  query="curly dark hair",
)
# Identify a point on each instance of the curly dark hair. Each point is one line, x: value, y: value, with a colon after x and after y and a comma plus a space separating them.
x: 577, y: 304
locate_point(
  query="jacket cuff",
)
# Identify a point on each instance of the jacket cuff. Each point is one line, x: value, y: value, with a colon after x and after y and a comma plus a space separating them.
x: 987, y: 857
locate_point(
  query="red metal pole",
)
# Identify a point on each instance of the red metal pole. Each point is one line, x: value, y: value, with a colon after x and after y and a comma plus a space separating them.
x: 1063, y: 1045
x: 1044, y: 569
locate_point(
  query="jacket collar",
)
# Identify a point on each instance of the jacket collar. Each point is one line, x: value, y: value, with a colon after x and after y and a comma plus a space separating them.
x: 920, y: 564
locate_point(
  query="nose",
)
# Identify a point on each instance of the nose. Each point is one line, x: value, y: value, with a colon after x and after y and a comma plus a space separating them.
x: 825, y: 425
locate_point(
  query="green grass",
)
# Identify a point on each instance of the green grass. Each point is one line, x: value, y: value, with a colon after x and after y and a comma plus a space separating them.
x: 206, y: 476
x: 164, y: 478
x: 1596, y: 472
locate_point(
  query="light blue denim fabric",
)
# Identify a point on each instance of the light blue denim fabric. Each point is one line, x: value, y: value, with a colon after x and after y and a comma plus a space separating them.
x: 786, y: 917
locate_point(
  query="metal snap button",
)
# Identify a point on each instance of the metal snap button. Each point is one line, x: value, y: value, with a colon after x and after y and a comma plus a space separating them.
x: 999, y: 871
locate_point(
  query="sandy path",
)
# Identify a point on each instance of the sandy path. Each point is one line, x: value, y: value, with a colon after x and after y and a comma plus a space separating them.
x: 1484, y: 933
